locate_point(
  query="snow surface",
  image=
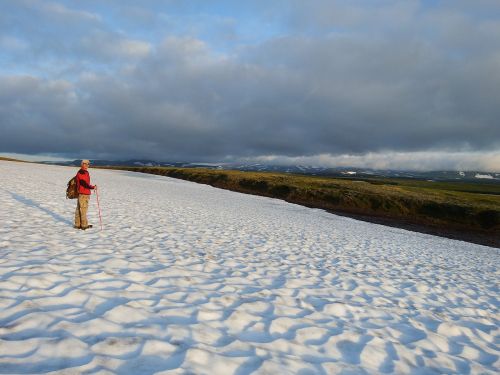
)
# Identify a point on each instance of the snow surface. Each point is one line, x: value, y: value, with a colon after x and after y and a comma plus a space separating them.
x: 186, y: 278
x: 487, y: 176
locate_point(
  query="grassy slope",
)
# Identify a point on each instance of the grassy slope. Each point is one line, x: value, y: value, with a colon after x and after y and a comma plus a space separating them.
x: 462, y: 207
x: 10, y: 159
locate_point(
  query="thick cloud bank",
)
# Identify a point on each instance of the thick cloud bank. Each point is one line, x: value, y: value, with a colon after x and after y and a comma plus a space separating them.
x: 284, y: 79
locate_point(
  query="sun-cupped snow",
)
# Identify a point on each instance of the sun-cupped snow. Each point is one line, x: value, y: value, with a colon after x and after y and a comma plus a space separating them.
x: 187, y: 278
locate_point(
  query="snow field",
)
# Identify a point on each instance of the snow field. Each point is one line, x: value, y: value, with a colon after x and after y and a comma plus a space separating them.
x: 186, y: 278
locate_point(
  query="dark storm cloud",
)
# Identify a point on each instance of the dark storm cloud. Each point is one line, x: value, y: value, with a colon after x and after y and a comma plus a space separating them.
x: 338, y: 78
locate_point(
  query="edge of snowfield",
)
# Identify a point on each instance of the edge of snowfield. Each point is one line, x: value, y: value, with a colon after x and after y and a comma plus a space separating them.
x: 187, y: 278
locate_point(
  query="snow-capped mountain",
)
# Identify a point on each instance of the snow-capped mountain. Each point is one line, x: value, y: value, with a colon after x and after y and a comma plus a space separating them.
x: 469, y: 176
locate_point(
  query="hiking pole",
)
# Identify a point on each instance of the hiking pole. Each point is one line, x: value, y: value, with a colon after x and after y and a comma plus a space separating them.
x: 98, y: 207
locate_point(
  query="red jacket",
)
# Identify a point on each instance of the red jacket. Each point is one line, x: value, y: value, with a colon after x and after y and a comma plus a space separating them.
x: 83, y: 182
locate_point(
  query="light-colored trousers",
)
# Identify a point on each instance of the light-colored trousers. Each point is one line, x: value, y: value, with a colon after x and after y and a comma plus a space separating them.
x: 81, y: 211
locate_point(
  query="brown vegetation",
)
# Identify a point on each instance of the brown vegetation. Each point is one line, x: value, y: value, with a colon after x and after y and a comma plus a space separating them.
x: 10, y: 159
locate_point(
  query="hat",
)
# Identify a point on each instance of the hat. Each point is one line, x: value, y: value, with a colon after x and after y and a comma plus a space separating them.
x: 85, y: 161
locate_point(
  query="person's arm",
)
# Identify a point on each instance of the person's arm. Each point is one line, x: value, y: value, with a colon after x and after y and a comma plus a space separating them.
x: 86, y: 185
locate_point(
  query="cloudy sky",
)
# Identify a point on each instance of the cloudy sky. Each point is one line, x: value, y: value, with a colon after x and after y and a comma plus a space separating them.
x: 375, y: 83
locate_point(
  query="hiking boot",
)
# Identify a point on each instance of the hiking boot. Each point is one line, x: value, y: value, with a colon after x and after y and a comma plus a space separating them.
x: 87, y: 227
x: 74, y: 226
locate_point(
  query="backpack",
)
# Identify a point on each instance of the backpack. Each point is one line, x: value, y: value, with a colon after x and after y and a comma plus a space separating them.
x: 72, y: 190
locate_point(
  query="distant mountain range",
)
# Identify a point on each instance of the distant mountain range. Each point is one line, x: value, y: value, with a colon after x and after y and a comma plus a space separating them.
x: 352, y: 173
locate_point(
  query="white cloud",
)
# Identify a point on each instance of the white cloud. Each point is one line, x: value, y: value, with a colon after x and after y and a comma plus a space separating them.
x: 66, y: 14
x: 132, y: 48
x: 111, y: 46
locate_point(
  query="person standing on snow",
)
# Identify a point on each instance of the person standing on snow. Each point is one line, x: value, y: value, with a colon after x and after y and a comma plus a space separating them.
x: 84, y: 187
